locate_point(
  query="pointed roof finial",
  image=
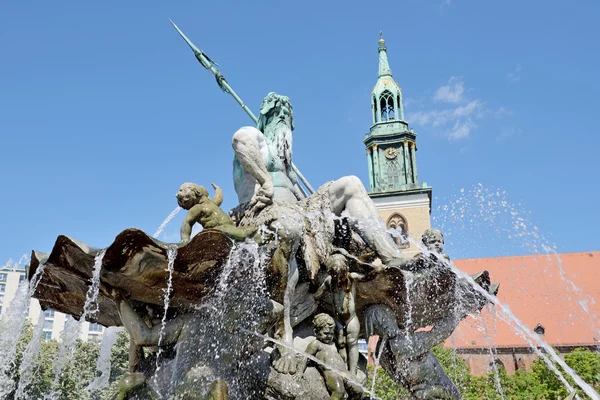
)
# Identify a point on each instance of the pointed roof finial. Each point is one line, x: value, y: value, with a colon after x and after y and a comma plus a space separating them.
x: 381, y: 41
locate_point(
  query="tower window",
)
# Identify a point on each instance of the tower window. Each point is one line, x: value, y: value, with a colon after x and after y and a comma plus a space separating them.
x: 393, y: 174
x: 386, y: 106
x: 398, y: 228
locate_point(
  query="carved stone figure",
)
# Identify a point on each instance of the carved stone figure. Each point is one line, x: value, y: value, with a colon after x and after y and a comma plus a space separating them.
x: 433, y: 240
x: 269, y: 195
x: 207, y: 212
x: 323, y: 348
x: 341, y: 284
x: 263, y: 173
x: 406, y: 354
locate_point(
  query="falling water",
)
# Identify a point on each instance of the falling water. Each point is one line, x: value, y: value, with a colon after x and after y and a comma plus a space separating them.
x: 28, y: 366
x: 408, y: 284
x: 103, y: 364
x: 527, y: 334
x: 376, y: 366
x: 72, y: 329
x: 11, y: 325
x: 487, y: 213
x: 345, y: 374
x: 171, y: 255
x: 165, y: 222
x: 491, y: 348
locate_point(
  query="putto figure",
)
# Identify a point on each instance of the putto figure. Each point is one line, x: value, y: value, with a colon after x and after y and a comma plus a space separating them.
x: 433, y: 240
x: 207, y: 212
x: 341, y: 284
x: 323, y: 348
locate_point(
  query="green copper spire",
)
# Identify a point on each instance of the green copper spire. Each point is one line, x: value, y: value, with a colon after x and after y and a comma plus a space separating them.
x: 384, y: 66
x: 391, y: 144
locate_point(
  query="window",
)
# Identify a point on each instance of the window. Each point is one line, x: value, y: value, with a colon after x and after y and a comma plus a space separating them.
x: 94, y: 338
x: 1, y: 298
x: 2, y: 287
x: 95, y: 327
x: 47, y: 335
x: 362, y: 346
x: 398, y: 227
x: 386, y: 106
x: 393, y: 174
x: 49, y: 314
x: 22, y: 277
x: 48, y: 324
x: 0, y: 309
x: 3, y: 276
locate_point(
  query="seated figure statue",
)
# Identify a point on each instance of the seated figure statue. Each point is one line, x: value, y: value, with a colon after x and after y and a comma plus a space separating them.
x: 407, y: 354
x: 323, y: 348
x: 207, y: 212
x: 269, y: 195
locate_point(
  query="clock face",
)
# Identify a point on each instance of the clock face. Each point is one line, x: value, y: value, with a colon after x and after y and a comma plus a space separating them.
x: 391, y: 153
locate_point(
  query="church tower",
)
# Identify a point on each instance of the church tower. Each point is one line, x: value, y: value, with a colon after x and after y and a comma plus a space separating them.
x: 403, y: 202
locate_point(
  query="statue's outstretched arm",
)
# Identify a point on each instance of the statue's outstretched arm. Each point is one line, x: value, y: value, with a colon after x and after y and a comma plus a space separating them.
x: 188, y: 222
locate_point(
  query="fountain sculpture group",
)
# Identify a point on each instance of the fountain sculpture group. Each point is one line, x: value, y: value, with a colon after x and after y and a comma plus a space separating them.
x: 270, y: 300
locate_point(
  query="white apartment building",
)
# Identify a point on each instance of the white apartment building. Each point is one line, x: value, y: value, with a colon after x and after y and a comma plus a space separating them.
x: 54, y: 322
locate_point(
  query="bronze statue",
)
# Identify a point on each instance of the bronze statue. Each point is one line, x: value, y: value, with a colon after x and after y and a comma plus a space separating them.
x: 341, y: 284
x: 407, y: 354
x: 207, y: 212
x: 323, y: 348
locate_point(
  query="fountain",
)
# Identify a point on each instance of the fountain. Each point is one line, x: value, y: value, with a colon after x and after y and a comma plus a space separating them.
x: 269, y: 300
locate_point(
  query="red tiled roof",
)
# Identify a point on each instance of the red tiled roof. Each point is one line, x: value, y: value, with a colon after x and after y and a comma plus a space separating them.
x: 535, y: 292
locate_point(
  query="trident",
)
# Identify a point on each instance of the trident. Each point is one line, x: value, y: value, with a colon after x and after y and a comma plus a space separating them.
x: 224, y: 85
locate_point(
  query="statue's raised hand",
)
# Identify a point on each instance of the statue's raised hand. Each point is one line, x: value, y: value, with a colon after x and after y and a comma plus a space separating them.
x: 262, y: 198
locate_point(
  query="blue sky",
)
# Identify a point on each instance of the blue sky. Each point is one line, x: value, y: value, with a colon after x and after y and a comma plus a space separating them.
x: 104, y: 111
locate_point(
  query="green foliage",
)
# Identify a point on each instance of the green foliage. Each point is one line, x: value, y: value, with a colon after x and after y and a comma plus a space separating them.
x: 538, y: 384
x: 77, y: 374
x: 385, y: 387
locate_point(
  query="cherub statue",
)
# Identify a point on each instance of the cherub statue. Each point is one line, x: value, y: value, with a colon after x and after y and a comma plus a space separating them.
x: 207, y: 212
x: 341, y: 283
x: 433, y: 240
x: 324, y: 349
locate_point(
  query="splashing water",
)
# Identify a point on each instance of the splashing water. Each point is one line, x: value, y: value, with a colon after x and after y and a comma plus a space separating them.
x: 29, y: 367
x: 491, y: 350
x: 103, y: 364
x: 214, y: 348
x: 408, y: 284
x: 482, y: 212
x: 171, y: 256
x: 520, y: 328
x: 165, y: 222
x: 11, y: 325
x: 72, y: 329
x: 376, y: 366
x: 345, y: 374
